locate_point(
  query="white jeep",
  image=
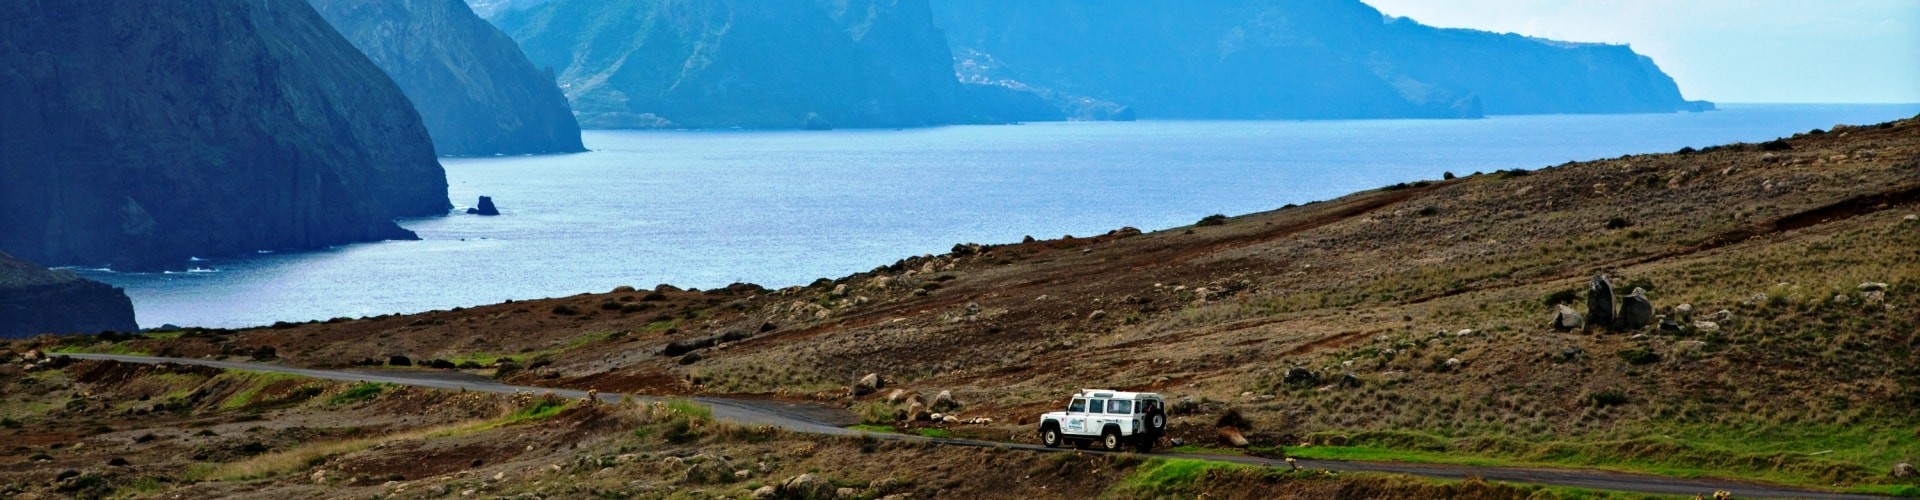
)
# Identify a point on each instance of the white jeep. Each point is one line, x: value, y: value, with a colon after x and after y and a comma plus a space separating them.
x: 1112, y: 419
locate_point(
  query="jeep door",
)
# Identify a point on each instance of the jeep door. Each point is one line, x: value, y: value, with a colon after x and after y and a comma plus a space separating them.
x: 1076, y: 420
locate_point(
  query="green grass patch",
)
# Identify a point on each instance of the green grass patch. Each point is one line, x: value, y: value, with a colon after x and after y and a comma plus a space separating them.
x: 253, y: 384
x: 878, y: 429
x: 935, y: 433
x: 100, y: 348
x: 540, y: 409
x: 1168, y: 477
x: 363, y: 391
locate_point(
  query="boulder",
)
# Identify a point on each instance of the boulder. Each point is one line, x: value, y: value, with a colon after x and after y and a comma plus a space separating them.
x: 1301, y: 376
x: 1668, y: 325
x: 917, y: 413
x: 766, y: 493
x: 944, y: 401
x: 1566, y: 319
x: 1905, y: 471
x: 485, y: 208
x: 1600, y: 310
x: 1872, y: 287
x: 1683, y: 312
x: 1233, y: 436
x: 808, y: 487
x: 1706, y: 326
x: 399, y: 361
x: 1636, y: 311
x: 897, y: 396
x: 709, y: 469
x: 867, y: 384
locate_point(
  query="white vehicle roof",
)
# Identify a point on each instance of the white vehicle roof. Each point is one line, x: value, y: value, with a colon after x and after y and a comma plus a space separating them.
x: 1113, y: 394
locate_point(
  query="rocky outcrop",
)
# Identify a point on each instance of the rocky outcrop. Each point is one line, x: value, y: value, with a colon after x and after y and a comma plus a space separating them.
x: 485, y: 208
x: 1566, y: 319
x: 474, y: 89
x: 1636, y: 311
x: 744, y: 63
x: 139, y: 134
x: 1264, y: 59
x: 35, y: 300
x: 1600, y: 311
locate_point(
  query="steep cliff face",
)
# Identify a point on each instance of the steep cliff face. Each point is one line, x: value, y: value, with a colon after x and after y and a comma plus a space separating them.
x: 35, y: 300
x: 475, y: 90
x: 746, y: 63
x: 139, y: 134
x: 1290, y: 59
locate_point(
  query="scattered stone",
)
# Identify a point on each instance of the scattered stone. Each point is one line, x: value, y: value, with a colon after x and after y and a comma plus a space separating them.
x: 1687, y: 348
x: 867, y: 384
x: 1566, y: 319
x: 952, y: 419
x: 938, y: 417
x: 1453, y: 362
x: 1600, y: 301
x: 897, y: 396
x: 846, y: 492
x: 319, y: 476
x: 766, y: 493
x: 1636, y: 312
x: 1706, y: 326
x: 117, y: 462
x: 1905, y: 471
x: 1872, y: 286
x: 486, y: 208
x: 944, y: 401
x: 1667, y: 325
x: 1683, y: 311
x: 1096, y: 316
x: 807, y: 486
x: 1463, y: 333
x: 1723, y: 315
x: 918, y: 413
x: 1911, y: 218
x: 1874, y: 297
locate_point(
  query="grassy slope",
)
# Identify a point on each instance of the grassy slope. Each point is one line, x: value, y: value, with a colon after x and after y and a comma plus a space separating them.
x: 1793, y: 386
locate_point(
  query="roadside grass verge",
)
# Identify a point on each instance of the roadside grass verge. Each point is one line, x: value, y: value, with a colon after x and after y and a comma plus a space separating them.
x: 1814, y: 456
x: 1190, y: 478
x: 363, y: 391
x: 311, y: 455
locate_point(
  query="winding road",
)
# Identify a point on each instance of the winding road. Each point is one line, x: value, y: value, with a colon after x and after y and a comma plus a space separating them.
x: 821, y: 419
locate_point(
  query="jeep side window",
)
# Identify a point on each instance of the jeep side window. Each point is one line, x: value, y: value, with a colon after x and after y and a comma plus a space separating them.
x: 1079, y: 405
x: 1099, y: 406
x: 1120, y: 407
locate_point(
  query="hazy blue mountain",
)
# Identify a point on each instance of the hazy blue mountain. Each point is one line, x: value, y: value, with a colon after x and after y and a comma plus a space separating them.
x: 1289, y: 59
x: 473, y: 87
x: 139, y: 134
x: 746, y: 63
x: 493, y: 8
x: 35, y: 300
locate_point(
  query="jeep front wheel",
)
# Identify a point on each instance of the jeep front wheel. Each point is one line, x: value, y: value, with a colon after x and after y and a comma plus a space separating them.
x: 1050, y: 436
x: 1110, y: 440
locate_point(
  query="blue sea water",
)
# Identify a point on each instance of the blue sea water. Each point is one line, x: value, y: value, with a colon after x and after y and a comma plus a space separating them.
x: 708, y: 208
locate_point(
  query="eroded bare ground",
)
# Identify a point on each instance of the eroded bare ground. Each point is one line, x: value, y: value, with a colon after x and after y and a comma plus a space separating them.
x: 1412, y: 319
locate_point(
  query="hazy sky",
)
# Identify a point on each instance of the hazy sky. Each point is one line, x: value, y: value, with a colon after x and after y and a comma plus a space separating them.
x: 1725, y: 50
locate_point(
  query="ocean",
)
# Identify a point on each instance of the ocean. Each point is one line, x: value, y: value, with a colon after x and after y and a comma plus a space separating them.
x: 704, y: 209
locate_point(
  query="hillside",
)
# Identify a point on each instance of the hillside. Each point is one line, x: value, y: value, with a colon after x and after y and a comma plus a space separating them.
x: 1248, y: 59
x: 475, y: 91
x: 1413, y: 322
x: 676, y: 63
x: 36, y: 300
x: 142, y: 134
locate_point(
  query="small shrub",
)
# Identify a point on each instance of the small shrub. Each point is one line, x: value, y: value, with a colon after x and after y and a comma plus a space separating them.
x: 1639, y: 356
x: 565, y: 310
x: 1619, y: 223
x: 1212, y: 220
x: 1776, y: 145
x: 1606, y: 398
x: 1561, y: 297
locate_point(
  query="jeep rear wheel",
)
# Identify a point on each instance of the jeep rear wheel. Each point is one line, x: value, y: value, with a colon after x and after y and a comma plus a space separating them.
x: 1050, y: 436
x: 1110, y: 440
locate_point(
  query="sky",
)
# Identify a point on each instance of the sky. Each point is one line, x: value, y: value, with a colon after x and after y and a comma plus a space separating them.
x: 1816, y: 51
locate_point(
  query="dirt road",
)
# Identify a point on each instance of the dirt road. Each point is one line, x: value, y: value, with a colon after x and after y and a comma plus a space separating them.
x: 820, y: 419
